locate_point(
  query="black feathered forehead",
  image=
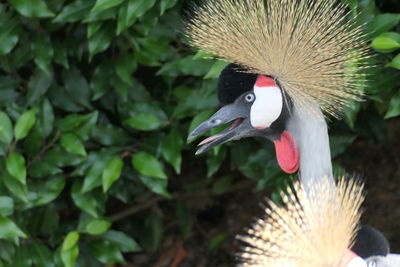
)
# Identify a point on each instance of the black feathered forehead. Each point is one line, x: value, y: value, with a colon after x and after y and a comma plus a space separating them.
x: 370, y: 242
x: 233, y: 82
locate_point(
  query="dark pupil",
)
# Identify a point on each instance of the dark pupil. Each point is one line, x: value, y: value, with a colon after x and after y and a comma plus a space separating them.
x: 249, y: 97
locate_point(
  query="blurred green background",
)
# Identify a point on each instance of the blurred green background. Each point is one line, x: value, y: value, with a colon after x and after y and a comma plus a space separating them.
x: 97, y: 98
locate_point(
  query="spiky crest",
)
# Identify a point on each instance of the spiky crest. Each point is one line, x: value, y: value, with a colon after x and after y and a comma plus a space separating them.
x: 312, y: 47
x: 312, y: 229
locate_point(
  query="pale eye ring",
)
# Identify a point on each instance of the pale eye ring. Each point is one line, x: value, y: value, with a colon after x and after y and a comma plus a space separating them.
x: 372, y: 264
x: 249, y: 97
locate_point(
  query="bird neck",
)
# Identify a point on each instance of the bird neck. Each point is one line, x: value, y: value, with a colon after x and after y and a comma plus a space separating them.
x: 309, y: 129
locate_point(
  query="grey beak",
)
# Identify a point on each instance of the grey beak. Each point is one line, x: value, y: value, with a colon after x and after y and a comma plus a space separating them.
x: 240, y: 127
x: 222, y: 116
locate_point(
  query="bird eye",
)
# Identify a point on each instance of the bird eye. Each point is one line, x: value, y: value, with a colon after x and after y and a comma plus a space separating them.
x: 249, y: 98
x: 372, y: 264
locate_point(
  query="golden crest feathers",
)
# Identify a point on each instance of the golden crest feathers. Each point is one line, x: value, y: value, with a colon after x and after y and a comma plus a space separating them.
x: 313, y: 48
x: 312, y: 229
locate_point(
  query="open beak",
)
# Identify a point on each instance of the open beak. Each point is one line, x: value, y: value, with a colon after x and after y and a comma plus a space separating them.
x: 240, y: 127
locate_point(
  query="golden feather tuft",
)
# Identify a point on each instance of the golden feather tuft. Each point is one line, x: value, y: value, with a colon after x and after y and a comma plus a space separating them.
x: 313, y: 48
x: 312, y: 229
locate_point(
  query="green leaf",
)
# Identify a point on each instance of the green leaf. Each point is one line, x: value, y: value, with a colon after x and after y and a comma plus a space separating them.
x: 217, y: 241
x: 122, y: 241
x: 144, y: 122
x: 112, y: 172
x: 100, y: 81
x: 198, y: 67
x: 7, y: 251
x: 17, y: 188
x: 148, y: 165
x: 22, y: 255
x: 101, y: 40
x: 24, y: 124
x: 45, y: 118
x: 104, y: 4
x: 32, y: 8
x: 6, y: 128
x: 109, y: 135
x: 386, y: 42
x: 156, y: 185
x: 42, y: 193
x: 69, y: 257
x: 158, y: 50
x: 33, y: 143
x: 38, y: 84
x: 203, y: 55
x: 42, y: 256
x: 105, y: 251
x: 395, y: 63
x: 77, y: 87
x: 132, y: 10
x: 16, y: 166
x: 124, y: 67
x: 70, y: 241
x: 101, y: 15
x: 85, y: 201
x: 93, y: 176
x: 21, y: 56
x: 8, y: 229
x: 216, y: 69
x: 6, y: 206
x: 81, y: 125
x: 93, y: 28
x: 171, y: 150
x: 98, y: 226
x: 9, y: 31
x: 43, y: 52
x: 382, y: 23
x: 60, y: 55
x: 58, y: 157
x: 8, y: 87
x: 394, y: 106
x: 350, y: 112
x: 72, y: 144
x: 167, y: 4
x: 75, y: 11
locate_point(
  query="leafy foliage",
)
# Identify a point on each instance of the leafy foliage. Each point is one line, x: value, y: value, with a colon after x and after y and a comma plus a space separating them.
x: 97, y: 98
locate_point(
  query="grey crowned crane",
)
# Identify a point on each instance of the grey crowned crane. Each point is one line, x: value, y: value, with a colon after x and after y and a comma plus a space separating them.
x: 372, y: 245
x: 316, y: 228
x: 307, y: 232
x: 291, y: 61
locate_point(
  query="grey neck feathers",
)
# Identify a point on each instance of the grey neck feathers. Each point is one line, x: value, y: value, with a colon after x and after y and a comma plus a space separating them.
x: 310, y: 131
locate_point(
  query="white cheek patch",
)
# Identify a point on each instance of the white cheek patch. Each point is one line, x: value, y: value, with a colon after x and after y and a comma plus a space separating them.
x: 357, y: 262
x: 266, y: 107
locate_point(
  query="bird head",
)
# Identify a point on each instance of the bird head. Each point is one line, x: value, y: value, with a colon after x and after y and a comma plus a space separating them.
x: 314, y: 228
x: 289, y: 56
x: 255, y: 105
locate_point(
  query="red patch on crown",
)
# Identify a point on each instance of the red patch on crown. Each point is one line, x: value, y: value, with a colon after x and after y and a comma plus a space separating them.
x: 264, y: 81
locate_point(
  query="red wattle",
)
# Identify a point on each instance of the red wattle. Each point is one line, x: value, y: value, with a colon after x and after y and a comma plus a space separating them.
x: 287, y: 153
x: 264, y: 81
